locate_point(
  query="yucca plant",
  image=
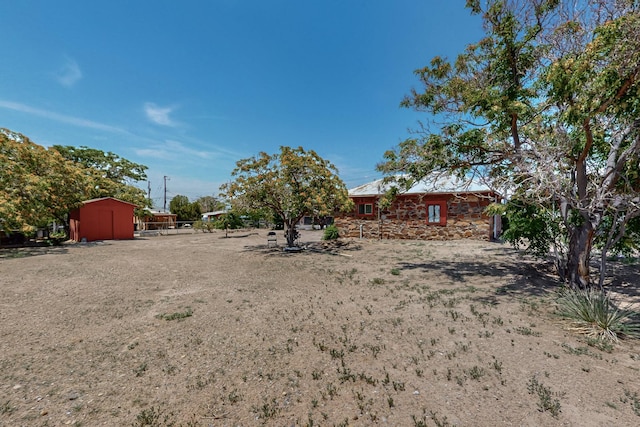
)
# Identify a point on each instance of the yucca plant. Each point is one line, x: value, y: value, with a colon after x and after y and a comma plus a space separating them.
x: 594, y: 314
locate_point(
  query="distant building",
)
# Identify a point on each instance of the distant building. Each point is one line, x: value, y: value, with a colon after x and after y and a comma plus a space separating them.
x: 443, y: 210
x: 158, y: 220
x: 212, y: 216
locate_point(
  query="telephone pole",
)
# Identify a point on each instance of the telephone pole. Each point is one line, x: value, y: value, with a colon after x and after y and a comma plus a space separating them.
x: 165, y: 193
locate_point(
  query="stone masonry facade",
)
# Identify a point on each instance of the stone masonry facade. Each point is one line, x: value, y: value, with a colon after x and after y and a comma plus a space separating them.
x: 461, y: 217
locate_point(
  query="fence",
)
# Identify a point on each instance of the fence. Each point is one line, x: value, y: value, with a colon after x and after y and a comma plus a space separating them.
x: 163, y: 228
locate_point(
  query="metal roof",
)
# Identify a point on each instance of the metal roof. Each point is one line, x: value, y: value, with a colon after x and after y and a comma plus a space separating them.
x: 106, y: 198
x: 430, y: 185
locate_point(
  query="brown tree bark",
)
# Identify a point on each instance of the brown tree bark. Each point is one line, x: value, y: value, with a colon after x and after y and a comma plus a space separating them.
x: 580, y: 244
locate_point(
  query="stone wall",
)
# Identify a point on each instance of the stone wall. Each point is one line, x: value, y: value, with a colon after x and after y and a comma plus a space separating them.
x: 407, y: 219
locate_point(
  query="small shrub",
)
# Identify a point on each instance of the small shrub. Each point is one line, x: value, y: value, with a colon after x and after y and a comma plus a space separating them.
x: 154, y: 418
x: 633, y: 399
x: 546, y: 402
x: 331, y: 233
x: 6, y: 408
x: 595, y: 315
x: 177, y: 315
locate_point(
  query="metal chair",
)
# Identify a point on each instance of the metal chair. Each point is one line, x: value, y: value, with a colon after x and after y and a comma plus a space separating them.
x: 272, y: 238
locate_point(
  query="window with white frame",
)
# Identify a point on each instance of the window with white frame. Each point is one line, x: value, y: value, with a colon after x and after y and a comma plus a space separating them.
x: 365, y: 209
x: 437, y: 212
x: 434, y: 213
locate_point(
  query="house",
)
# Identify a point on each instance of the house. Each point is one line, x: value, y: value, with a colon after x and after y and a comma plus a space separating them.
x: 440, y: 210
x: 212, y: 216
x: 158, y: 220
x: 105, y: 218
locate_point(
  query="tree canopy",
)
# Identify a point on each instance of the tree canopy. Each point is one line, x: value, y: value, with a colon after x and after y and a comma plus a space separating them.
x: 39, y: 185
x: 36, y: 185
x: 544, y: 108
x: 185, y: 210
x: 293, y: 183
x: 210, y: 204
x: 110, y: 174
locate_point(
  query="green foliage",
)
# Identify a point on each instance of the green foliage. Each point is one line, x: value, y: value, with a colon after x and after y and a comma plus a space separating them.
x: 543, y: 109
x: 229, y: 221
x: 291, y: 184
x: 331, y: 233
x: 204, y: 226
x: 37, y: 185
x: 153, y: 417
x: 547, y: 399
x: 185, y: 210
x: 531, y: 226
x: 595, y: 315
x: 629, y: 242
x: 210, y: 204
x: 110, y: 175
x: 178, y: 315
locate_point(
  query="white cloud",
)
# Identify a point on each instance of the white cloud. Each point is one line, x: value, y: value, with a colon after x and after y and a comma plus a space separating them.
x: 69, y: 74
x: 62, y: 118
x: 171, y: 149
x: 159, y: 115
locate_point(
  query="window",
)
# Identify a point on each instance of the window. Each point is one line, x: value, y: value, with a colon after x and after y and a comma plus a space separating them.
x: 434, y: 213
x: 437, y: 212
x: 365, y: 209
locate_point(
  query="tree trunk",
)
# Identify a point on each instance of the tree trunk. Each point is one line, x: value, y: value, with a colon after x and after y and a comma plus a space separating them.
x: 577, y: 270
x: 290, y: 233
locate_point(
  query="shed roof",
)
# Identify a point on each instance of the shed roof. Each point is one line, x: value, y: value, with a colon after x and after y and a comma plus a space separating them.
x: 99, y: 199
x: 437, y: 185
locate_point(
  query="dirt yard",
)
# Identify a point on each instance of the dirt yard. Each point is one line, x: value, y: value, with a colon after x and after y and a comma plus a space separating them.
x: 202, y: 330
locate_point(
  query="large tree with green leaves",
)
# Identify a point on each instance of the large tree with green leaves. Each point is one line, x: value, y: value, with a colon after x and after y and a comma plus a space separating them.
x: 111, y: 175
x: 37, y: 185
x: 293, y: 183
x: 185, y: 210
x: 544, y: 108
x: 210, y: 204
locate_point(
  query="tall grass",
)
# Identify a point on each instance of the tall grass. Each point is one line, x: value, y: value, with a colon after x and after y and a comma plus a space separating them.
x: 594, y: 314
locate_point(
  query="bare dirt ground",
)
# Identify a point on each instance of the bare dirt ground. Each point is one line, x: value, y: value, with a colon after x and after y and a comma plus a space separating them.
x: 202, y: 330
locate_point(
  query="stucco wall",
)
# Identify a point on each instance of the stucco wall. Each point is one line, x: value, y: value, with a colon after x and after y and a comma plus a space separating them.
x: 407, y: 219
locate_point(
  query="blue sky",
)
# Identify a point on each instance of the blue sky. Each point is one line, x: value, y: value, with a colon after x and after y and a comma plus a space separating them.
x: 187, y: 88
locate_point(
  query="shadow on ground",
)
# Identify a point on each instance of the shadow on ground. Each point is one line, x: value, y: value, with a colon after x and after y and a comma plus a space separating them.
x: 513, y: 274
x: 29, y: 251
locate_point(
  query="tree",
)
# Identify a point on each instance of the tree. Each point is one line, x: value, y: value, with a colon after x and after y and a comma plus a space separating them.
x: 292, y: 183
x: 185, y: 210
x: 210, y: 204
x: 544, y: 109
x: 229, y: 220
x: 112, y: 175
x: 37, y: 186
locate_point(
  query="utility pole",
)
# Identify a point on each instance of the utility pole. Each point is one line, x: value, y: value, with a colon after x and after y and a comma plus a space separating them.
x: 149, y: 190
x: 165, y: 193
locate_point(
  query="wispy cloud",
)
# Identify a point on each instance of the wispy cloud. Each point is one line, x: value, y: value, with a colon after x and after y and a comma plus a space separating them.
x: 159, y: 115
x: 169, y: 150
x: 62, y: 118
x: 69, y: 73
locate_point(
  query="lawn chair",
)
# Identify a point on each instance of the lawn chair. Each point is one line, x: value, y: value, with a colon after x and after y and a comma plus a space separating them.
x: 272, y: 238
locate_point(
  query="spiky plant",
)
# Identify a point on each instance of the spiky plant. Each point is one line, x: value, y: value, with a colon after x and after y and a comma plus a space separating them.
x: 594, y: 314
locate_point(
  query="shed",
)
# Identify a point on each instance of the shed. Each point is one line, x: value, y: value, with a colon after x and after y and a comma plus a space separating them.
x: 105, y: 218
